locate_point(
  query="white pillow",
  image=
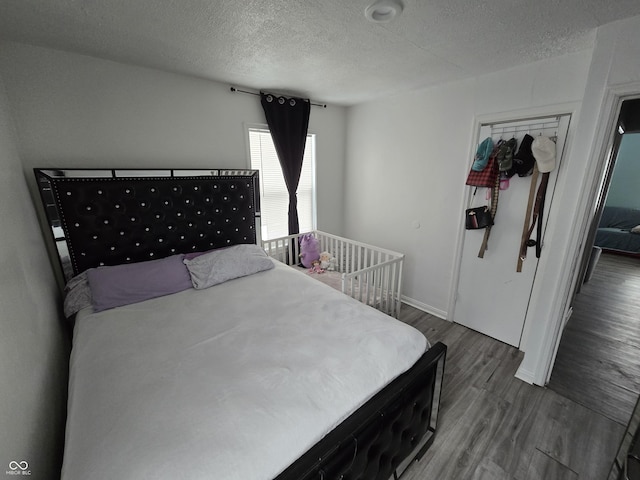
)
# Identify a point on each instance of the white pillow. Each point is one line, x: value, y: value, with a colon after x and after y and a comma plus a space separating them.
x: 636, y: 229
x: 218, y: 266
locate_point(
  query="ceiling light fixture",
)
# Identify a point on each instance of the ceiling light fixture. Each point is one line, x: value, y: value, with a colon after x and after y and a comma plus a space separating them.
x: 383, y: 11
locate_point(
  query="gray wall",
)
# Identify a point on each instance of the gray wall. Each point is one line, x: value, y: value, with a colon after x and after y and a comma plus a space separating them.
x: 33, y: 343
x: 624, y: 190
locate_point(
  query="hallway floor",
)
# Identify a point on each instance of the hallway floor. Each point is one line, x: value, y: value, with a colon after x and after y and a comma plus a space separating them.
x: 598, y: 362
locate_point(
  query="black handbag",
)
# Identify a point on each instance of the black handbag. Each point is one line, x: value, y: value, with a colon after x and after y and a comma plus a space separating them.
x: 478, y: 217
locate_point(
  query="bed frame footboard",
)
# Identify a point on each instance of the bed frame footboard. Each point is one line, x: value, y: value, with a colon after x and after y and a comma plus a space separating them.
x: 381, y: 439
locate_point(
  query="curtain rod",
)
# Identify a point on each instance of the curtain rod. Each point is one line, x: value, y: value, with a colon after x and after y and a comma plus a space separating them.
x: 234, y: 90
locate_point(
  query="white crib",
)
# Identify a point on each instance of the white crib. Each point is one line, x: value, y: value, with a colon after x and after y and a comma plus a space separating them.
x: 371, y: 275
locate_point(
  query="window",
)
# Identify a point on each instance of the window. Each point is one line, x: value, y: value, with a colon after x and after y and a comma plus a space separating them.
x: 274, y: 198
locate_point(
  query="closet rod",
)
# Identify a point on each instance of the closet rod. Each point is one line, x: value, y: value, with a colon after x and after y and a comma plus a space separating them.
x: 234, y: 90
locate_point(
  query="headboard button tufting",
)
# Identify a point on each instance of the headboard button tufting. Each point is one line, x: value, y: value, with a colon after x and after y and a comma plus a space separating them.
x: 109, y: 219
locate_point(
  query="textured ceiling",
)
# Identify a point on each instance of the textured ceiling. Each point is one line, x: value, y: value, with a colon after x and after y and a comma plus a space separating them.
x: 323, y: 49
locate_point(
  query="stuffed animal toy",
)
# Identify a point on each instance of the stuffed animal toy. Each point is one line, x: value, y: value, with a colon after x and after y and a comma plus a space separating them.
x: 309, y: 250
x: 315, y: 267
x: 327, y: 261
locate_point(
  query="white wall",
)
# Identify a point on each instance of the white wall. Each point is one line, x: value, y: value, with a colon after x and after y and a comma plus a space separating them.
x: 33, y: 344
x: 408, y: 157
x: 77, y: 111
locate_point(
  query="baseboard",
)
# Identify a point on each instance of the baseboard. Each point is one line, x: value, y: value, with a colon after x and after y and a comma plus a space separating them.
x: 525, y: 376
x: 424, y: 307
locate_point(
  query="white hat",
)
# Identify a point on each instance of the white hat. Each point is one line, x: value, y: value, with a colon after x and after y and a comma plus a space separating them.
x: 544, y: 151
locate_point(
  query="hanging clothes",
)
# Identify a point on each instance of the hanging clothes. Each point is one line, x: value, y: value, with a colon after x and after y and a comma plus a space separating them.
x: 504, y: 160
x: 543, y: 150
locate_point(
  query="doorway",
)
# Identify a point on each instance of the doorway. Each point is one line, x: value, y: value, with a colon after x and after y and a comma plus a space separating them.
x: 598, y: 362
x: 598, y: 359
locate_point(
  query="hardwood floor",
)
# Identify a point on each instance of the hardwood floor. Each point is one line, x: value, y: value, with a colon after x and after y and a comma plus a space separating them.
x: 598, y: 362
x: 492, y: 426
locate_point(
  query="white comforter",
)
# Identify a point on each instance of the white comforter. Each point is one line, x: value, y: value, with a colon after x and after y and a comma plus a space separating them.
x: 233, y: 382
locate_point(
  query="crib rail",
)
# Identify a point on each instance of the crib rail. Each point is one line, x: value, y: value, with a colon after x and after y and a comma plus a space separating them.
x: 370, y: 274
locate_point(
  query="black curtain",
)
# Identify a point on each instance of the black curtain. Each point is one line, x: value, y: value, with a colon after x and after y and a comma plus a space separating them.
x: 288, y: 120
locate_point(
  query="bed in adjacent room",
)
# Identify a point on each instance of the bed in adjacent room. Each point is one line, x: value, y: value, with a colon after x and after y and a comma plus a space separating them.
x: 196, y: 355
x: 619, y: 230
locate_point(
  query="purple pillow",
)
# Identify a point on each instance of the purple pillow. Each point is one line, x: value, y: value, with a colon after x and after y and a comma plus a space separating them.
x: 134, y: 282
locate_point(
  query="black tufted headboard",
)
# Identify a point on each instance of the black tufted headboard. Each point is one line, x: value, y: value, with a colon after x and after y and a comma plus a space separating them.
x: 110, y: 217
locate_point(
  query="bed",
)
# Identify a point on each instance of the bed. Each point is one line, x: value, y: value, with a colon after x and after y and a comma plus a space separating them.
x: 265, y: 375
x: 370, y: 274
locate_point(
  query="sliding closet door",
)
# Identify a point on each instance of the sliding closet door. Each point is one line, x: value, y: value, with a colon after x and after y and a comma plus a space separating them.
x: 492, y: 297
